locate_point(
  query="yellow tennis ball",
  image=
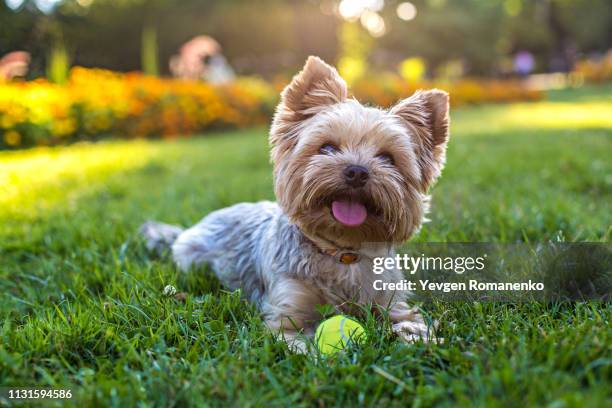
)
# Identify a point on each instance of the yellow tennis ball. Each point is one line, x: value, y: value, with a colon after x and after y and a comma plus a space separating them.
x: 337, y: 332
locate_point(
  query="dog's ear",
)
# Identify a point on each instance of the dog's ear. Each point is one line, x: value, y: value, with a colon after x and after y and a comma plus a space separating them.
x: 425, y: 114
x: 316, y: 86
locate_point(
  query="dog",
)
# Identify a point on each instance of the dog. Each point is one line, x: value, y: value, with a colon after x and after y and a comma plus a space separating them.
x: 351, y: 183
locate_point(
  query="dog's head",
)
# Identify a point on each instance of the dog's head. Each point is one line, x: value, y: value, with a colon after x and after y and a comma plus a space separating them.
x: 353, y: 174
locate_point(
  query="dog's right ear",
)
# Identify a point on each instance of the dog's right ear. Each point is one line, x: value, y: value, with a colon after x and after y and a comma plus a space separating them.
x: 316, y: 86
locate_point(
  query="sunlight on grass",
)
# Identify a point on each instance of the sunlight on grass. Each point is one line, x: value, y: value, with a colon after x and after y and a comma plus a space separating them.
x: 35, y: 180
x: 544, y: 115
x: 561, y: 115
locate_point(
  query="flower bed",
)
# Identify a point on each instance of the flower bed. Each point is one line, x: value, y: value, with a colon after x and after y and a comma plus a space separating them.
x: 386, y: 90
x: 595, y: 70
x: 97, y: 103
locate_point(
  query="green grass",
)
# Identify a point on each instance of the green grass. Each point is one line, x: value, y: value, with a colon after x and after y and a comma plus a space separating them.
x: 81, y: 302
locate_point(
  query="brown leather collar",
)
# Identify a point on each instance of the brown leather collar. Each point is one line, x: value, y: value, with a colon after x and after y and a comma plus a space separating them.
x: 345, y: 256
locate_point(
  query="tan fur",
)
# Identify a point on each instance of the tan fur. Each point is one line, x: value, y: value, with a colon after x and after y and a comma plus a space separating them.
x: 313, y: 111
x: 426, y: 114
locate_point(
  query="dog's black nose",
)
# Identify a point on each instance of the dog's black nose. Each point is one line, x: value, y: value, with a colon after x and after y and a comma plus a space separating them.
x: 356, y: 176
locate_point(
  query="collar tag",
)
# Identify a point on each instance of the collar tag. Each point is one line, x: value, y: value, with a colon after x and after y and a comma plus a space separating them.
x: 345, y: 257
x: 348, y: 258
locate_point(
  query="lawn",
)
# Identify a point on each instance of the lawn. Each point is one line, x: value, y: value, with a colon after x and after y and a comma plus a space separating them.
x: 81, y: 301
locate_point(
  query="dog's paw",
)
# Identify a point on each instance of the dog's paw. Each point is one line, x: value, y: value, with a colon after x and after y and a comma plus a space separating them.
x: 298, y: 346
x: 415, y: 331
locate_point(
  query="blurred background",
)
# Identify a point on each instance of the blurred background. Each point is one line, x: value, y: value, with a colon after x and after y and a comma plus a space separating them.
x: 90, y: 93
x: 86, y: 69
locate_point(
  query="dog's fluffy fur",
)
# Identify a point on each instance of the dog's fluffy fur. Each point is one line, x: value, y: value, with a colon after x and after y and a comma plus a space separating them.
x: 281, y: 255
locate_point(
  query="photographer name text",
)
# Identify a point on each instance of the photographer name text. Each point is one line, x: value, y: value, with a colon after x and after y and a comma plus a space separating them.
x: 447, y: 287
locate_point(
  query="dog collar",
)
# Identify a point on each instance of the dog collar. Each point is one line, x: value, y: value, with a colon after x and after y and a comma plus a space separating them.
x: 345, y: 256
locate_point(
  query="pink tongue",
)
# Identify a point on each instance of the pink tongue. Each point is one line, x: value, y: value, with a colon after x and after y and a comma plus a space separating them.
x: 349, y: 213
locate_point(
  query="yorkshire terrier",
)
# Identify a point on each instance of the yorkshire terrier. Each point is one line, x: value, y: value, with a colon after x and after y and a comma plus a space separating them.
x: 351, y: 183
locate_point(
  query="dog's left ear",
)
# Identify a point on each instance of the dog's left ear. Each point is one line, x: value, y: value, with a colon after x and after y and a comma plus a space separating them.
x: 425, y: 114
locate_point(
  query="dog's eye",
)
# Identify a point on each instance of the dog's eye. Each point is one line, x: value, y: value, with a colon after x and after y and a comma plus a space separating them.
x: 328, y: 148
x: 386, y: 158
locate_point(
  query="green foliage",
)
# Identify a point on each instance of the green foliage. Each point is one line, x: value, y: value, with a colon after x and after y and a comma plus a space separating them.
x: 81, y: 301
x: 355, y: 47
x: 269, y: 36
x: 150, y: 64
x: 58, y: 64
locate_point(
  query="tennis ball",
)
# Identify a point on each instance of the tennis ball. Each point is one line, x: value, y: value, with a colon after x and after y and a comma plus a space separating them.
x: 337, y: 332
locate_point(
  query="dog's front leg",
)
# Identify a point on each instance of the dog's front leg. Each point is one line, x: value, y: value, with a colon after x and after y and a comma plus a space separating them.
x: 409, y: 324
x: 289, y: 309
